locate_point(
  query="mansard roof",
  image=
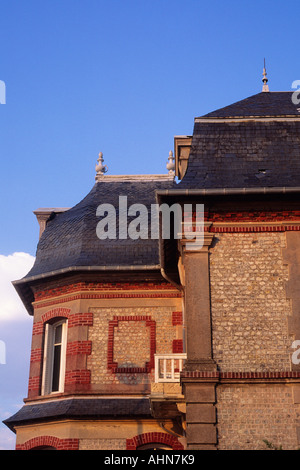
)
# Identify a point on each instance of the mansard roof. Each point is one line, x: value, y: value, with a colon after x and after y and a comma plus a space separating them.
x: 275, y: 103
x: 253, y: 143
x: 70, y: 238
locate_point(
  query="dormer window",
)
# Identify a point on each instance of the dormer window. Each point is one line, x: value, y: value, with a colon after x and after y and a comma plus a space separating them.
x: 54, y: 357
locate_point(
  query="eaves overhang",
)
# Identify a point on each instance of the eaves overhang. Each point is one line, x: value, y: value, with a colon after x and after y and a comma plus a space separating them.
x: 168, y: 250
x: 25, y: 292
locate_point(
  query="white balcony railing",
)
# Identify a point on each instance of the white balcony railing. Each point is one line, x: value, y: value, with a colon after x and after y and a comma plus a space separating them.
x: 168, y: 367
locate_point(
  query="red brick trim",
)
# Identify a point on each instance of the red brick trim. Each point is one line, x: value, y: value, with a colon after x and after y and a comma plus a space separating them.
x: 101, y: 286
x: 241, y: 375
x: 82, y: 376
x: 49, y: 441
x: 153, y: 438
x: 34, y: 384
x: 79, y: 347
x: 110, y: 352
x: 176, y: 318
x: 36, y: 355
x: 74, y: 319
x: 56, y: 312
x: 38, y: 328
x: 80, y: 319
x: 177, y: 346
x: 248, y: 216
x: 254, y: 228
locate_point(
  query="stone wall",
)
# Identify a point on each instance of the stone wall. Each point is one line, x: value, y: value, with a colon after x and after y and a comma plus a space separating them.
x: 250, y: 414
x: 102, y: 444
x: 248, y: 302
x: 124, y: 341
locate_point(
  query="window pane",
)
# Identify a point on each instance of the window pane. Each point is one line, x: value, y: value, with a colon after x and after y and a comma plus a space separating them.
x: 56, y: 368
x: 58, y: 333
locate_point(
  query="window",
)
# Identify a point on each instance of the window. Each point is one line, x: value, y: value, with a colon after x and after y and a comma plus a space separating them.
x: 54, y: 357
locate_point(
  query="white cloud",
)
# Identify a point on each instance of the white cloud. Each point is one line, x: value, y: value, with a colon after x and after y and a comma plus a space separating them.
x: 13, y: 267
x: 15, y: 335
x: 7, y: 439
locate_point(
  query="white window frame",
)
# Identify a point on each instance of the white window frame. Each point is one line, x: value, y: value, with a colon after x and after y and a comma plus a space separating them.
x: 48, y: 360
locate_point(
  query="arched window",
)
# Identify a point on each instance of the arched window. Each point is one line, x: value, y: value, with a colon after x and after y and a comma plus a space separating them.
x: 154, y: 441
x: 54, y: 357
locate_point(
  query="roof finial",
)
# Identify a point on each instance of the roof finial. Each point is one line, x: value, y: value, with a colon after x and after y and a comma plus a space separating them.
x: 170, y: 164
x: 265, y: 80
x: 100, y: 168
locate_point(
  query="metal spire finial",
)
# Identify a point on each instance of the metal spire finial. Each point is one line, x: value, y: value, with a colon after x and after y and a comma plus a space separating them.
x: 265, y: 80
x: 100, y: 168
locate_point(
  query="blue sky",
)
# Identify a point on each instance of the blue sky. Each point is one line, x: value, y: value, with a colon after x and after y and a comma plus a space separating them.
x: 121, y: 77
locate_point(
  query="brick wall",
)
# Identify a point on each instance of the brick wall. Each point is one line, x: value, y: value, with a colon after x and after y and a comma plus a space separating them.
x: 125, y: 340
x: 248, y: 302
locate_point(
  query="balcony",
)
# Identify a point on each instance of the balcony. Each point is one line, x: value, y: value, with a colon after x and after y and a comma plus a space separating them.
x: 166, y: 396
x: 168, y: 367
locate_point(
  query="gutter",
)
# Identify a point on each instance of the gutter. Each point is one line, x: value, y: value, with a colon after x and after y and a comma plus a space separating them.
x: 143, y: 267
x: 226, y: 191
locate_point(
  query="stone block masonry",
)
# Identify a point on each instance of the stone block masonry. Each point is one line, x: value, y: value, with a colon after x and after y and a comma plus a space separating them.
x: 250, y: 414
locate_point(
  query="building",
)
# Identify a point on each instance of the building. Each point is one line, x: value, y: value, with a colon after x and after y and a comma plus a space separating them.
x: 175, y: 342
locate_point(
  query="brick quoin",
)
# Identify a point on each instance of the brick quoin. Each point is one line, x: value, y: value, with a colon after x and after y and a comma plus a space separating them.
x: 80, y: 319
x: 153, y: 438
x: 177, y: 346
x: 49, y: 441
x: 34, y: 384
x: 79, y: 347
x: 36, y: 355
x: 176, y: 318
x: 82, y: 377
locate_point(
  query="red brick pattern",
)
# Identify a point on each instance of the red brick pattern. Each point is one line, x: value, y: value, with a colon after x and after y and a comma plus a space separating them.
x: 34, y: 385
x: 82, y: 377
x: 176, y: 318
x: 49, y: 441
x: 253, y: 216
x: 97, y: 286
x: 56, y: 312
x: 73, y: 348
x: 245, y: 216
x: 242, y: 375
x: 36, y: 355
x: 79, y: 347
x: 80, y: 319
x: 113, y: 366
x: 153, y: 438
x: 177, y: 346
x: 265, y: 221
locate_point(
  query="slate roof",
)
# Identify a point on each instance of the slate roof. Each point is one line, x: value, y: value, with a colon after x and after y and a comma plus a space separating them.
x: 228, y: 152
x: 81, y: 408
x: 275, y: 103
x: 70, y: 238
